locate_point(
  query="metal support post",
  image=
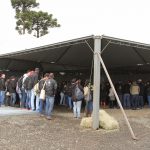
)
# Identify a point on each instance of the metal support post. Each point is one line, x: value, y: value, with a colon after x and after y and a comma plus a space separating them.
x: 96, y: 90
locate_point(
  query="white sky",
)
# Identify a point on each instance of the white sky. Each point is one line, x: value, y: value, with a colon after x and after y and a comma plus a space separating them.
x: 126, y: 19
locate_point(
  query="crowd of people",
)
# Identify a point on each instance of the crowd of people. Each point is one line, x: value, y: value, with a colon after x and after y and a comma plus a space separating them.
x: 132, y: 94
x: 72, y: 94
x: 28, y: 89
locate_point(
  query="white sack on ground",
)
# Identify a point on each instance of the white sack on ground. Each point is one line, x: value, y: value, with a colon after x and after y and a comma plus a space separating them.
x: 86, y: 122
x: 106, y: 121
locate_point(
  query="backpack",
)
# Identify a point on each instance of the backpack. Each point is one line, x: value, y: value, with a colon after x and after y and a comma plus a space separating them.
x: 36, y: 89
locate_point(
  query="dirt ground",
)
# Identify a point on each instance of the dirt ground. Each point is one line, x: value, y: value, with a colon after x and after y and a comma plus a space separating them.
x: 32, y: 132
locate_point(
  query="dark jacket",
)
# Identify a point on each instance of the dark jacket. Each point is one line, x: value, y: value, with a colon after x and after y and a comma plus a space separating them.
x: 148, y: 90
x: 2, y: 84
x: 50, y: 87
x: 126, y: 89
x: 11, y: 86
x: 29, y: 83
x: 35, y: 78
x: 141, y: 85
x: 69, y: 89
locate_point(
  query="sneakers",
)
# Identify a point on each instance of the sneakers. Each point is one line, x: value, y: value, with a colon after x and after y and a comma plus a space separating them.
x: 49, y: 118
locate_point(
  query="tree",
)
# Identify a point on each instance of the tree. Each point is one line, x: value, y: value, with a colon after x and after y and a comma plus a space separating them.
x: 22, y: 8
x: 30, y: 20
x: 41, y: 22
x: 23, y: 5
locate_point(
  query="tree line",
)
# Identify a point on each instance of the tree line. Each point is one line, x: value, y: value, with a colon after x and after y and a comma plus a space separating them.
x: 30, y: 21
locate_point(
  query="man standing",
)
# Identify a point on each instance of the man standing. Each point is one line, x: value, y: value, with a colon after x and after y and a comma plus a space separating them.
x: 2, y: 89
x: 50, y: 91
x: 33, y: 79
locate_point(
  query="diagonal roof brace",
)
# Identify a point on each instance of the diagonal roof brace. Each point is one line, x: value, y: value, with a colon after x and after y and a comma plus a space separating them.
x: 140, y: 56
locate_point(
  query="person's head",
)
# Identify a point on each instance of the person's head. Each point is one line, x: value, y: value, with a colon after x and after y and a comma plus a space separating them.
x: 3, y: 75
x: 134, y: 83
x: 37, y: 70
x: 46, y: 75
x: 51, y: 75
x: 73, y: 80
x: 139, y: 80
x: 78, y: 81
x: 12, y: 78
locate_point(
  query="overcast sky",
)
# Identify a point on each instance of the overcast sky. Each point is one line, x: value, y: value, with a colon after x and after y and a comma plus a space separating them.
x: 126, y: 19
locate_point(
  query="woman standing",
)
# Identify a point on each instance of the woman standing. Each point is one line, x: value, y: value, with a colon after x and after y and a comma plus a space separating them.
x: 88, y: 99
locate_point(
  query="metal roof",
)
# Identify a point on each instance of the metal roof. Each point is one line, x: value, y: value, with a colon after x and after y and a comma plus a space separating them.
x: 118, y: 54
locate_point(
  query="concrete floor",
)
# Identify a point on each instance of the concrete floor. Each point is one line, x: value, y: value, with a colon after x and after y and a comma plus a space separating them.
x: 8, y: 111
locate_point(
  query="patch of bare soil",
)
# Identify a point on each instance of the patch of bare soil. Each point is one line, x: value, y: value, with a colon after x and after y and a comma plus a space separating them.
x: 63, y: 132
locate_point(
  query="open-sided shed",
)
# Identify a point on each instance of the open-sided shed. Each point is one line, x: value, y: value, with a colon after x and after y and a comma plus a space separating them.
x: 77, y: 55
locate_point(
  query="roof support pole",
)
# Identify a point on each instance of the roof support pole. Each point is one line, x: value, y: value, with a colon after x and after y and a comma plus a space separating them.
x: 96, y: 90
x: 116, y: 95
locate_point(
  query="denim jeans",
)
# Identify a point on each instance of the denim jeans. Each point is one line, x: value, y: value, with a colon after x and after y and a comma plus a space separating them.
x: 126, y: 100
x: 32, y: 99
x: 135, y: 99
x: 20, y: 99
x: 2, y: 97
x: 37, y: 102
x: 42, y: 106
x: 28, y: 100
x: 13, y: 98
x: 49, y: 105
x: 148, y: 98
x: 140, y: 101
x: 24, y: 98
x: 70, y: 102
x: 62, y: 98
x: 77, y: 108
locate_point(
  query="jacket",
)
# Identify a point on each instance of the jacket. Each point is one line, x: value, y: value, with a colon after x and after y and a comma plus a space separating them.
x: 50, y: 87
x: 2, y: 84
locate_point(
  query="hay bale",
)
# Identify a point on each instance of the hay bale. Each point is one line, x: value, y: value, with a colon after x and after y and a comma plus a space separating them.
x: 106, y: 121
x: 86, y: 122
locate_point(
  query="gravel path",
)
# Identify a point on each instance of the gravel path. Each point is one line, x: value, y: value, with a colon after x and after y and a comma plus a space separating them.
x: 32, y: 132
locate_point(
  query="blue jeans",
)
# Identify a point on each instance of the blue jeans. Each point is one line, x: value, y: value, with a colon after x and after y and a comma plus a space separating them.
x: 77, y: 108
x: 37, y: 102
x: 135, y: 99
x: 42, y: 106
x: 140, y: 101
x: 70, y: 102
x: 28, y: 100
x: 24, y: 98
x: 32, y: 99
x: 148, y: 98
x: 13, y: 98
x: 2, y: 96
x: 20, y: 98
x: 49, y: 105
x: 126, y: 100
